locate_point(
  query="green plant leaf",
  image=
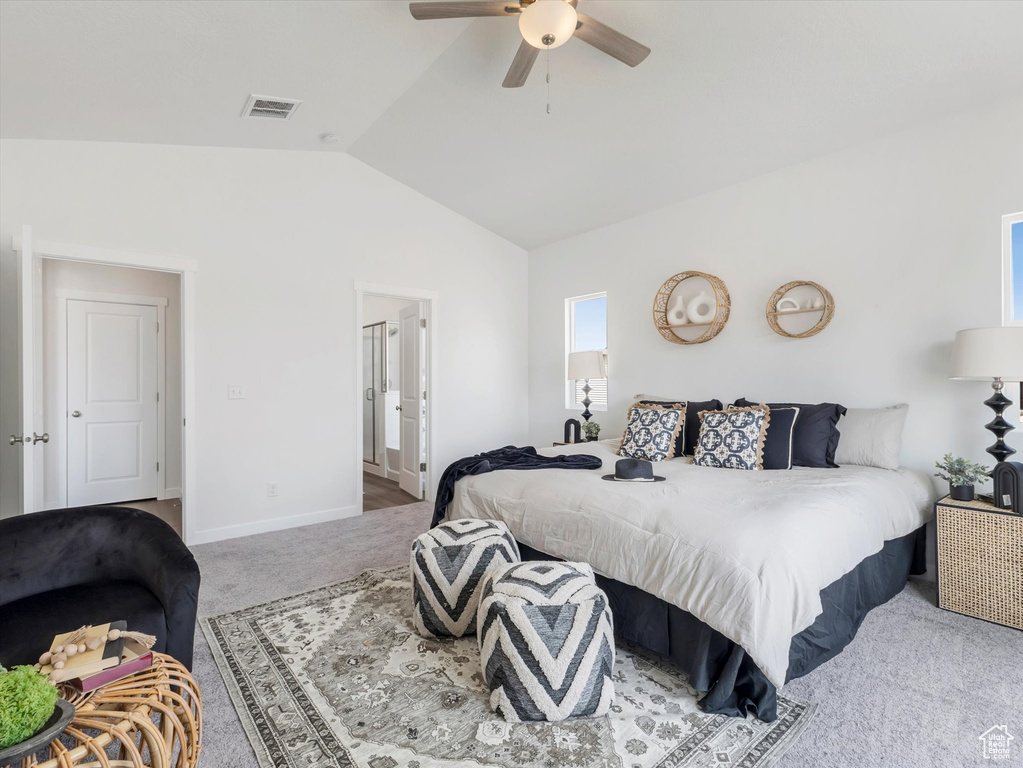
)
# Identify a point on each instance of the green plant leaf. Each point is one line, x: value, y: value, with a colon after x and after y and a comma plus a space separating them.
x: 27, y: 699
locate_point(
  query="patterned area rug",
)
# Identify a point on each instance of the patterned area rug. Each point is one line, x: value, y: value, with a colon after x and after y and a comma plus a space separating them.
x: 336, y: 677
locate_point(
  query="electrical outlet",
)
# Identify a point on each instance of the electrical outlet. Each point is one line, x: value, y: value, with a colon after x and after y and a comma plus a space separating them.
x: 271, y: 489
x: 235, y: 392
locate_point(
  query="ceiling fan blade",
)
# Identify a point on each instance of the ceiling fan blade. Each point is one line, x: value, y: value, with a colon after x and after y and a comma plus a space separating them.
x: 611, y: 42
x: 462, y: 10
x: 520, y: 66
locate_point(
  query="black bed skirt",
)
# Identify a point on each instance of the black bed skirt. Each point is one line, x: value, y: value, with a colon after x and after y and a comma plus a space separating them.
x: 734, y: 685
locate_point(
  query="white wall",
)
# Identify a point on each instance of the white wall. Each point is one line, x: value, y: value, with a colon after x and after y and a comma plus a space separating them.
x: 280, y: 237
x: 905, y: 232
x: 100, y: 278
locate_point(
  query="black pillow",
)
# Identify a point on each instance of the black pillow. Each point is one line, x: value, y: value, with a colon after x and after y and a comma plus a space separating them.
x: 692, y: 427
x: 816, y: 432
x: 780, y: 438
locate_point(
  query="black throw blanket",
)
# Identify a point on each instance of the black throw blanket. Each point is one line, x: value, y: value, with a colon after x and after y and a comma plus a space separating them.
x: 508, y: 457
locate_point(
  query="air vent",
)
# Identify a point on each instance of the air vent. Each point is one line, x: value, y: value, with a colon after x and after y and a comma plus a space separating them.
x: 270, y: 107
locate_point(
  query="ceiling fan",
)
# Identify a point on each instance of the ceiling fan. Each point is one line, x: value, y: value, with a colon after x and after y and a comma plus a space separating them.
x: 544, y: 24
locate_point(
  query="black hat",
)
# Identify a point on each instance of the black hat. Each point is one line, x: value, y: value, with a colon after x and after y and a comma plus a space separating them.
x: 633, y: 471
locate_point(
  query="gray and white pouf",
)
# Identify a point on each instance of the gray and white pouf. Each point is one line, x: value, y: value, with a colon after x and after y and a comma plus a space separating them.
x: 448, y: 564
x: 546, y: 642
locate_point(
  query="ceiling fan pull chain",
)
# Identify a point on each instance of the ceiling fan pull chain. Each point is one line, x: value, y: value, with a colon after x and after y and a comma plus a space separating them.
x: 548, y: 79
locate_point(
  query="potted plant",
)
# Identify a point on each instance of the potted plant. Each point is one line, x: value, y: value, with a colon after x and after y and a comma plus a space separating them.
x: 962, y: 475
x: 31, y: 713
x: 591, y: 429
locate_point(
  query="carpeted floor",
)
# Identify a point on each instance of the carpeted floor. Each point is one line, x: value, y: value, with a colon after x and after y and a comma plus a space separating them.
x: 916, y: 687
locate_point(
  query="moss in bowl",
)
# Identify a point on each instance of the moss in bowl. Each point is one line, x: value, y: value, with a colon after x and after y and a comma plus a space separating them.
x: 27, y: 700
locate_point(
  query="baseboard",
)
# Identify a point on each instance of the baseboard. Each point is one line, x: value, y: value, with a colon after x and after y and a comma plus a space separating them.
x: 170, y: 493
x: 374, y: 469
x: 268, y: 526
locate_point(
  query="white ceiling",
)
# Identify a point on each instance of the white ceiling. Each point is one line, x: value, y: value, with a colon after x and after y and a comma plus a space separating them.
x: 731, y: 90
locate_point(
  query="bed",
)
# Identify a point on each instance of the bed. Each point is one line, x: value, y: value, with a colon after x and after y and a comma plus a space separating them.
x: 744, y: 579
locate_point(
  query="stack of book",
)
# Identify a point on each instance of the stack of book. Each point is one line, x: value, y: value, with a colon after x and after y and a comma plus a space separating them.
x: 111, y: 661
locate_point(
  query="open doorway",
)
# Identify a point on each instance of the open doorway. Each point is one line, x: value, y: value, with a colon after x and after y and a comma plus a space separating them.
x: 111, y: 387
x: 394, y: 421
x: 105, y: 382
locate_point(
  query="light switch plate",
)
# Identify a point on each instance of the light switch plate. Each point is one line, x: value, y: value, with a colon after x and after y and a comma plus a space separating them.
x: 272, y: 490
x: 235, y: 392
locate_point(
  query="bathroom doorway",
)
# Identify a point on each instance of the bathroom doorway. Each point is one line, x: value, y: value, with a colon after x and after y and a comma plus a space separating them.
x: 393, y: 394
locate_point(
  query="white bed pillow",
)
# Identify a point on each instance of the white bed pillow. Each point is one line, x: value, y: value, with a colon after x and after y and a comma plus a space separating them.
x: 871, y: 437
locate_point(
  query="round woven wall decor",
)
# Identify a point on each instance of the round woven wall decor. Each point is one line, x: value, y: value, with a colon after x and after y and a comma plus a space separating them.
x: 713, y: 326
x: 826, y: 309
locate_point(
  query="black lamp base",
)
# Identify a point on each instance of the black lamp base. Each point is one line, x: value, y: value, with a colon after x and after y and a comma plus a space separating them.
x: 998, y: 402
x: 587, y: 402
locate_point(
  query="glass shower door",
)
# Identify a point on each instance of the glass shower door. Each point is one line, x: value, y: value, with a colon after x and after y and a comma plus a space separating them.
x: 372, y: 367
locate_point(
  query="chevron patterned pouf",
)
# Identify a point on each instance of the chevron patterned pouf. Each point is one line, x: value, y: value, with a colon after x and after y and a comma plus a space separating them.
x: 546, y: 641
x: 448, y: 565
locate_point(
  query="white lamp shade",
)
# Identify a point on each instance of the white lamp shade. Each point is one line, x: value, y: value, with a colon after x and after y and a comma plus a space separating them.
x: 988, y: 353
x: 547, y: 17
x: 586, y: 365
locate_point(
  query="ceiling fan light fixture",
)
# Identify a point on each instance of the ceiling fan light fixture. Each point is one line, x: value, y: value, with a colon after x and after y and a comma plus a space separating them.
x: 547, y: 23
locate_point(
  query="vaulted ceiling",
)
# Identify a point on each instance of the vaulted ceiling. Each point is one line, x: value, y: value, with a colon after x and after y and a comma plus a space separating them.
x: 731, y: 90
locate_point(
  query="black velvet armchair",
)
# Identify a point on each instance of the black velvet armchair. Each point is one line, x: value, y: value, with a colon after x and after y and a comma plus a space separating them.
x: 65, y: 568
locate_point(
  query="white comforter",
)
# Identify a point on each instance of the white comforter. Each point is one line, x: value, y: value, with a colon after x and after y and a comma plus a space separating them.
x: 745, y: 552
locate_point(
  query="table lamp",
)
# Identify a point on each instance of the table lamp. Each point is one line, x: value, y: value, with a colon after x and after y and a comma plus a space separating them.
x: 995, y: 355
x: 583, y: 366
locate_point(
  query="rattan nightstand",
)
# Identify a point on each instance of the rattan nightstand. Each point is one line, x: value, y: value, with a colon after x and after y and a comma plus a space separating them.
x: 980, y: 561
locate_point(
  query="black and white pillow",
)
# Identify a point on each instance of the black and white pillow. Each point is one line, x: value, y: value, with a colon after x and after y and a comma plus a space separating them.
x: 778, y: 447
x: 733, y: 439
x: 816, y: 438
x: 652, y: 432
x: 685, y: 445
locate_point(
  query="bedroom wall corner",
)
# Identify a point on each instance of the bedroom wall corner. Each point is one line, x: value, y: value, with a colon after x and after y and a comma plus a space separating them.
x: 904, y: 231
x: 280, y: 238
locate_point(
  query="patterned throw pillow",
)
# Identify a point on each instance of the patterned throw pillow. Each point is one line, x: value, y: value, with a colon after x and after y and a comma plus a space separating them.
x: 733, y: 438
x: 652, y: 432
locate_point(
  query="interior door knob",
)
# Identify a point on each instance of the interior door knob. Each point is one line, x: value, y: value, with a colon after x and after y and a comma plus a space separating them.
x: 43, y: 438
x: 15, y: 439
x: 397, y: 407
x: 75, y: 414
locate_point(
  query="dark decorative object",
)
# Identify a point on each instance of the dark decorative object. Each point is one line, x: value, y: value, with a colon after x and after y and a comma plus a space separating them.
x: 63, y: 713
x: 92, y: 565
x: 573, y: 431
x: 962, y: 492
x: 1008, y: 480
x: 995, y: 355
x: 633, y: 471
x: 998, y: 402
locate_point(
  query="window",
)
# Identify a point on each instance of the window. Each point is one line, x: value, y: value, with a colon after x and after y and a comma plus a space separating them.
x: 586, y: 329
x: 1012, y: 253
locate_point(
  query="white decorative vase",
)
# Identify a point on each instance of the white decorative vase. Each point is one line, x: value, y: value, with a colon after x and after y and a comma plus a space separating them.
x: 702, y: 309
x: 787, y: 305
x: 676, y: 313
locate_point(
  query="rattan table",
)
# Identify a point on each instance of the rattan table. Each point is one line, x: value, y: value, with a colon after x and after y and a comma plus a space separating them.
x: 980, y: 561
x: 152, y: 719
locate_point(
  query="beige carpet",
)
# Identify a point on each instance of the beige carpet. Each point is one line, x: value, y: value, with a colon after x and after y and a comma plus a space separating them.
x: 917, y: 687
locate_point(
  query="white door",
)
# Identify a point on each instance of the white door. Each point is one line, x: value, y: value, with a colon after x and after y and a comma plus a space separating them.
x: 112, y: 386
x: 410, y: 475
